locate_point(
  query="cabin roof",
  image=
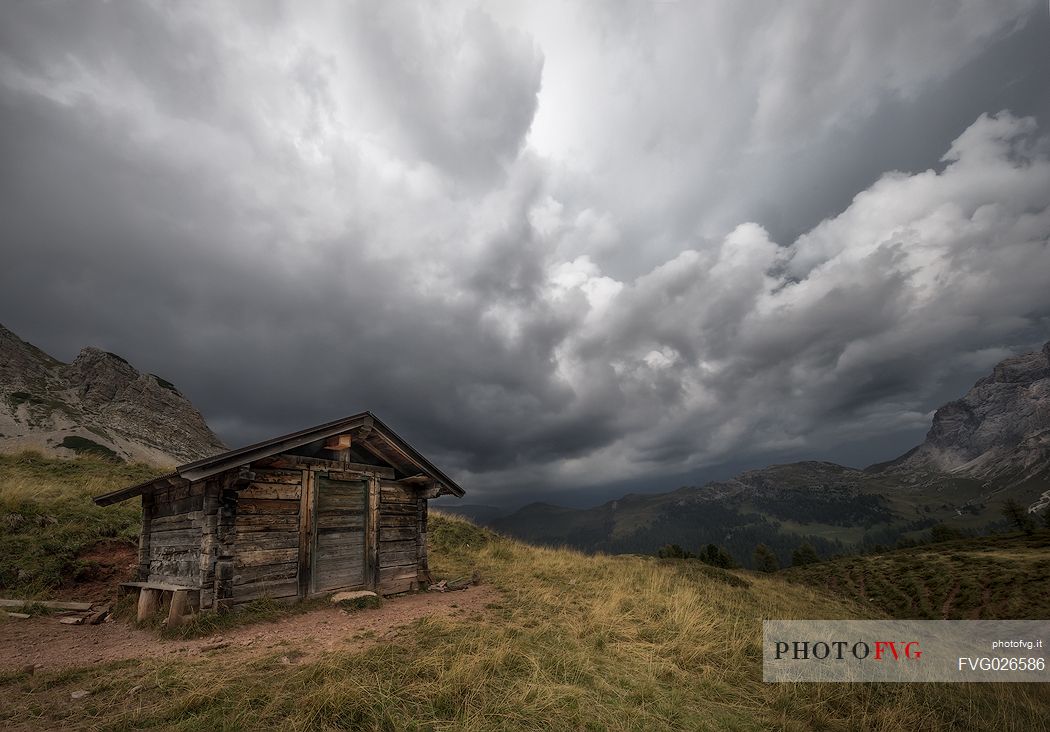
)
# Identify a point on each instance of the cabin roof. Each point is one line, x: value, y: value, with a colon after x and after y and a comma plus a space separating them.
x: 379, y: 436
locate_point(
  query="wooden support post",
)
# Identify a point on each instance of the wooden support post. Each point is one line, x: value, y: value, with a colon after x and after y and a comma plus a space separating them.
x: 339, y: 446
x: 225, y: 534
x: 422, y: 562
x: 142, y: 573
x: 149, y: 602
x: 177, y: 611
x: 306, y: 532
x: 223, y: 583
x: 209, y: 543
x: 338, y: 443
x: 372, y: 535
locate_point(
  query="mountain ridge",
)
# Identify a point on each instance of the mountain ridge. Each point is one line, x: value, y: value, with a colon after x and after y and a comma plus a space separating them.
x: 97, y: 404
x: 999, y: 430
x: 989, y: 446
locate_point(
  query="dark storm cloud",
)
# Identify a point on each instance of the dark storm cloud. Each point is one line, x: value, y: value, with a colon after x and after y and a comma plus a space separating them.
x: 518, y: 233
x: 469, y: 112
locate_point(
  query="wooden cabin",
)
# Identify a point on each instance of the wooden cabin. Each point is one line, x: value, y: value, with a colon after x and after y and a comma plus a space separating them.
x: 341, y: 506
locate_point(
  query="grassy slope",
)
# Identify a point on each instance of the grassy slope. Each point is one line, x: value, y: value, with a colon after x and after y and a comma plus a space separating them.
x: 47, y: 517
x: 987, y: 577
x: 578, y: 642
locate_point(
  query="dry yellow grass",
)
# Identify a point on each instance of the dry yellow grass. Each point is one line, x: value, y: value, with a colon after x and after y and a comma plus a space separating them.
x: 985, y: 577
x: 578, y: 642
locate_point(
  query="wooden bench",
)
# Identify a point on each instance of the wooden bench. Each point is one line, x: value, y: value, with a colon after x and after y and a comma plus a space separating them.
x: 153, y: 595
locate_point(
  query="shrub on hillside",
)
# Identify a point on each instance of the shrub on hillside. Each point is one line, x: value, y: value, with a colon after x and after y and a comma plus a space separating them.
x: 711, y: 554
x: 673, y: 551
x: 1016, y: 514
x: 716, y: 556
x: 803, y: 555
x: 943, y: 532
x: 764, y: 559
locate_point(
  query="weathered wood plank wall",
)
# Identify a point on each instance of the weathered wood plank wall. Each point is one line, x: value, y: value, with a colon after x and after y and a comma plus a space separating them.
x: 398, y: 538
x: 266, y: 536
x: 270, y: 537
x: 171, y: 546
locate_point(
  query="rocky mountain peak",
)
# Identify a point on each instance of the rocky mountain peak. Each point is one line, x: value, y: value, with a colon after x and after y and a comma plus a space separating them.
x: 99, y: 403
x: 1024, y: 369
x: 95, y: 358
x: 986, y: 431
x: 99, y: 376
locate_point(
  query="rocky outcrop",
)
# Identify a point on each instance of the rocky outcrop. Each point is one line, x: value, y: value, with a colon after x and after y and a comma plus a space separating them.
x: 98, y: 404
x: 1000, y: 430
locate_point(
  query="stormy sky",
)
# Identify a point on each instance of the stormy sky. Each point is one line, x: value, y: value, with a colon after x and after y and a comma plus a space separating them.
x: 564, y: 249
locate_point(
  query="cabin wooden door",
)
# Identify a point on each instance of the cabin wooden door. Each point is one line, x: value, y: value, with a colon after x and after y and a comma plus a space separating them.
x: 339, y: 559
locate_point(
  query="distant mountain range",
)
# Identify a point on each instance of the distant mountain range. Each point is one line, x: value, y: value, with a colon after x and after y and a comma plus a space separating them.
x: 476, y: 512
x: 98, y: 404
x: 989, y: 446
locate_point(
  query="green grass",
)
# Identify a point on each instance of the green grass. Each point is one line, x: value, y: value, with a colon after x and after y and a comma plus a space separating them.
x: 263, y: 610
x: 985, y: 577
x: 18, y: 398
x: 84, y: 446
x: 47, y: 517
x: 580, y: 642
x: 39, y: 408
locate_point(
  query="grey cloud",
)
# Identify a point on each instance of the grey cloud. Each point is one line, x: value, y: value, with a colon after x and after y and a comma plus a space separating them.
x: 889, y: 297
x: 298, y: 215
x: 460, y: 91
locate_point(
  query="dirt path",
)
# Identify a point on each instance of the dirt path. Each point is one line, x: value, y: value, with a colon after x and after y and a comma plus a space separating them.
x: 952, y: 593
x: 49, y: 645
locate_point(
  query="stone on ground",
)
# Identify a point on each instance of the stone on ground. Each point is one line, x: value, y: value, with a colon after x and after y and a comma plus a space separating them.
x: 350, y: 596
